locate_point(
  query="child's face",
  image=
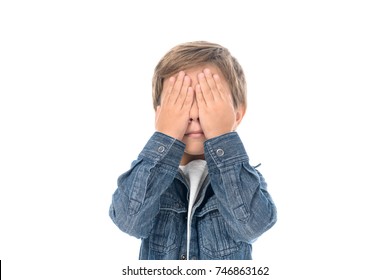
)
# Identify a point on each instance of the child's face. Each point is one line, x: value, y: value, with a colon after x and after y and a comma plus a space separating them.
x: 201, y: 126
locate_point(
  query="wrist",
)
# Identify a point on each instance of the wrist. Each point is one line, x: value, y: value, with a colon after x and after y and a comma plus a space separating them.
x: 173, y: 134
x: 216, y: 133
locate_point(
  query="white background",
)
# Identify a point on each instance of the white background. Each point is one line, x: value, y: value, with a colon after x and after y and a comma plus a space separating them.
x: 76, y: 109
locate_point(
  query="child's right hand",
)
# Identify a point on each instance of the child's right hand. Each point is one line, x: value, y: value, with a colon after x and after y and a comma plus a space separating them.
x: 173, y: 113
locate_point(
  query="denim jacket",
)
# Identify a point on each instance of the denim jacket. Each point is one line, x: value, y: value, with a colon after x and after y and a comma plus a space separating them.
x: 232, y: 210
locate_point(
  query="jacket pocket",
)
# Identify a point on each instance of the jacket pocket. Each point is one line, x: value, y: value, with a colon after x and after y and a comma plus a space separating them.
x: 214, y: 237
x: 163, y: 238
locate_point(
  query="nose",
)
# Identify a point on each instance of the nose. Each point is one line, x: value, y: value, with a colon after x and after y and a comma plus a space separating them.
x: 194, y: 112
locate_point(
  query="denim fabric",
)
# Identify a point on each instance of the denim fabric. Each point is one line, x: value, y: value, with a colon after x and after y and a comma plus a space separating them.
x: 233, y: 208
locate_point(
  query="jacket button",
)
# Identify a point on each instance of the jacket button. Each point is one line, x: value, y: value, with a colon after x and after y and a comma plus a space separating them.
x: 161, y: 149
x: 183, y: 257
x: 220, y: 152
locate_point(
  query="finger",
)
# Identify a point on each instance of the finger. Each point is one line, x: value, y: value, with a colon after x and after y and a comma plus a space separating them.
x: 199, y: 96
x: 189, y: 99
x: 177, y: 86
x: 165, y: 95
x: 205, y: 89
x: 211, y: 82
x: 157, y: 114
x: 183, y: 92
x: 220, y: 88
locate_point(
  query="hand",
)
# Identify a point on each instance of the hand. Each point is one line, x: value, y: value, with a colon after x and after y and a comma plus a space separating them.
x: 176, y: 100
x: 216, y: 111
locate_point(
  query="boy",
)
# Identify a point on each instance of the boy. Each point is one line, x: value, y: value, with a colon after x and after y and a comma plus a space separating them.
x: 192, y: 194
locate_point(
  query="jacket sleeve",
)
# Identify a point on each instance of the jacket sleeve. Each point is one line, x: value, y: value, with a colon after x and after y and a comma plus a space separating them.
x: 136, y: 200
x: 241, y: 190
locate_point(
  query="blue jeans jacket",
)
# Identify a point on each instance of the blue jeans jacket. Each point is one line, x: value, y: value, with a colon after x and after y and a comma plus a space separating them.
x: 232, y: 211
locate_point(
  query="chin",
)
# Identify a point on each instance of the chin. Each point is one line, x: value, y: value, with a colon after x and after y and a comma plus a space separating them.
x: 194, y: 152
x: 194, y: 149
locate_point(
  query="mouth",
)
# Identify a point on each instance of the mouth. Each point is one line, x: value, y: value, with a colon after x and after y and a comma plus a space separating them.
x: 195, y: 134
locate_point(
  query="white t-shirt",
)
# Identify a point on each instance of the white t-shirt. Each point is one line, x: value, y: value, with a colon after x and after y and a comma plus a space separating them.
x: 195, y: 172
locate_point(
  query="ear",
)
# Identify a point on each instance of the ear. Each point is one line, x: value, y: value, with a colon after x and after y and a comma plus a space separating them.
x: 240, y: 112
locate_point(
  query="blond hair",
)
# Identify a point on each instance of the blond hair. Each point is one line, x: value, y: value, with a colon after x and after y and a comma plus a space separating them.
x: 192, y: 54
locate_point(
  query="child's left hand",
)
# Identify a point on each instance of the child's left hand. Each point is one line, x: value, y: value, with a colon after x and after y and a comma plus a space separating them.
x: 216, y: 111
